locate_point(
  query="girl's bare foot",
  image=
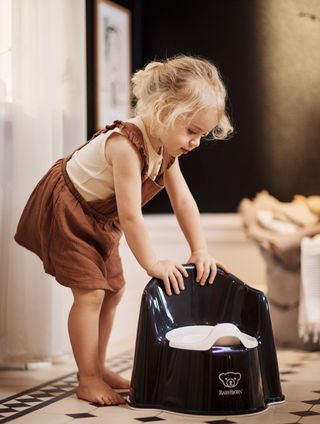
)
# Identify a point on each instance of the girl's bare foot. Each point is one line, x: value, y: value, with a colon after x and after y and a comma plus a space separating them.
x: 94, y: 389
x: 113, y: 379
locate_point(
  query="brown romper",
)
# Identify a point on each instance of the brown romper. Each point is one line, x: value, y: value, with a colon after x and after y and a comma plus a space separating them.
x: 78, y: 240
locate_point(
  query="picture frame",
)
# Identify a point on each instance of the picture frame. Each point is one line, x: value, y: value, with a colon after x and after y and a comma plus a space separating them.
x: 112, y: 62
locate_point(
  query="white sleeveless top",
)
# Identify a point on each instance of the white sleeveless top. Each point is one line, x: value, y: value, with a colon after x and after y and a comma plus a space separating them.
x: 92, y: 174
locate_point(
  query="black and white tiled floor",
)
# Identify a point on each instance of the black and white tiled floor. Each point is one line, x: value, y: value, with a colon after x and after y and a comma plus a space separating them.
x: 54, y: 401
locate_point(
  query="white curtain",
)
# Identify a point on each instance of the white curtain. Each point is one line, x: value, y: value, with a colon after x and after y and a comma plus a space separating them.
x: 42, y: 117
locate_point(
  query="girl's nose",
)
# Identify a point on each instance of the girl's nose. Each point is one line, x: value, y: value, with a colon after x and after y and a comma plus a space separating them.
x: 195, y: 142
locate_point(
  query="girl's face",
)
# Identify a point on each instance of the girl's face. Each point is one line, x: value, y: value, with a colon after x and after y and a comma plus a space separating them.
x: 184, y: 136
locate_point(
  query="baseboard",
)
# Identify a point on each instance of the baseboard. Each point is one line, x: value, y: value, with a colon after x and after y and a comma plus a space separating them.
x: 216, y: 226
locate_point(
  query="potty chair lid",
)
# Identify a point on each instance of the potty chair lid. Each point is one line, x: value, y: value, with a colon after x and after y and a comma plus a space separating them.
x: 203, y: 337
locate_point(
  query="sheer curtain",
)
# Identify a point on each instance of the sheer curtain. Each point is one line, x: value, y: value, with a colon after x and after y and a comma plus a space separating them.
x: 42, y: 117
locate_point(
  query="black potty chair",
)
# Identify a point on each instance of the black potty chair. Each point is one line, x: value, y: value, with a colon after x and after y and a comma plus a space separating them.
x: 196, y: 373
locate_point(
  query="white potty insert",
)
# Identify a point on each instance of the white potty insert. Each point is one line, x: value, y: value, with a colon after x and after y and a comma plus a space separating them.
x: 203, y: 337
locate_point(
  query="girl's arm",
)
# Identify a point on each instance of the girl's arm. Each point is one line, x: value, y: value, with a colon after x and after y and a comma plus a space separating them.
x: 126, y: 163
x: 188, y: 216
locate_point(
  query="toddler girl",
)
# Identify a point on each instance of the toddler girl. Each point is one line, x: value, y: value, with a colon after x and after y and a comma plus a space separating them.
x: 75, y: 216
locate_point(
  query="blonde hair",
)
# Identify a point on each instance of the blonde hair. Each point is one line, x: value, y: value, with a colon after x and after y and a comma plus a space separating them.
x: 180, y: 87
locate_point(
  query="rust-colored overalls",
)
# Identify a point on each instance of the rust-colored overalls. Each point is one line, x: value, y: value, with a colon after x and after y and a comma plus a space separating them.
x: 78, y: 240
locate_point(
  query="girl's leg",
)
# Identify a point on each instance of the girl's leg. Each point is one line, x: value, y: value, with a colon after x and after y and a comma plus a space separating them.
x: 83, y: 327
x: 107, y: 313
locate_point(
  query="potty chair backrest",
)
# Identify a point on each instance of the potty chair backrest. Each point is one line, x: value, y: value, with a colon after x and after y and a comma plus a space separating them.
x: 227, y: 300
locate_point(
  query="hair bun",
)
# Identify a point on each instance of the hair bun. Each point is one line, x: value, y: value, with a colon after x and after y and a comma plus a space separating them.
x: 143, y: 79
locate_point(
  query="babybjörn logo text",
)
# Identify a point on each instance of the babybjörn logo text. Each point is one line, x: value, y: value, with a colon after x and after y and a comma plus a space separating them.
x: 230, y: 379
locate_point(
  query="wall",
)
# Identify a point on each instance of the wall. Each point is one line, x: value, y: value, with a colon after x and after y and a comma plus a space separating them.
x: 288, y: 61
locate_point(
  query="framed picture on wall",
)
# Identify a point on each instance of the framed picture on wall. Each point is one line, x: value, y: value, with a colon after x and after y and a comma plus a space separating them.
x: 112, y: 39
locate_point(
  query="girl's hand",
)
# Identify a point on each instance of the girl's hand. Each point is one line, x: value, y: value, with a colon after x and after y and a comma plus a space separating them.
x: 206, y: 265
x: 170, y: 273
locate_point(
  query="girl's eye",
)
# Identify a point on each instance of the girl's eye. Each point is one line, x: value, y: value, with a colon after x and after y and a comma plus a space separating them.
x: 191, y: 131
